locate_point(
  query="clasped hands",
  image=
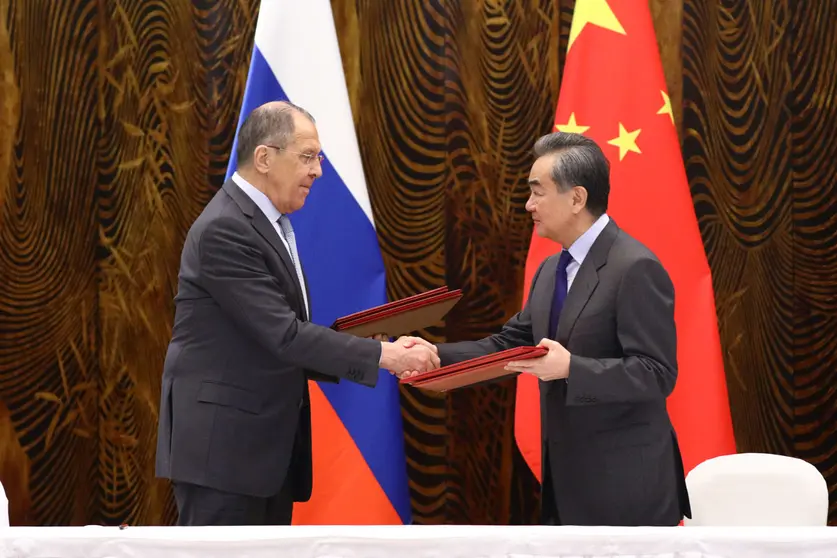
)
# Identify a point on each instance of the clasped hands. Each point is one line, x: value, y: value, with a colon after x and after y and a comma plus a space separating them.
x: 410, y: 356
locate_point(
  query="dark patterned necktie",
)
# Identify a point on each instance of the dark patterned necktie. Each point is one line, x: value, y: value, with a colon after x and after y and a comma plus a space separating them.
x: 560, y: 292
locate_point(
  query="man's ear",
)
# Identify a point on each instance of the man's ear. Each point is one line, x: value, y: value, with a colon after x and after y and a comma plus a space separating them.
x: 579, y: 198
x: 260, y: 155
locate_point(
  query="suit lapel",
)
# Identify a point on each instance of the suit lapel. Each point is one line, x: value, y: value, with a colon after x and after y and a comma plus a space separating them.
x: 266, y: 229
x: 268, y: 232
x: 585, y: 282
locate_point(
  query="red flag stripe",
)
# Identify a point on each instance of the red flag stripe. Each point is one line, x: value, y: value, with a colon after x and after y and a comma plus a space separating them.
x: 345, y: 492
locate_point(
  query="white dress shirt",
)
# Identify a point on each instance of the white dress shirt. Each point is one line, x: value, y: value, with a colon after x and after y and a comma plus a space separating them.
x: 581, y: 247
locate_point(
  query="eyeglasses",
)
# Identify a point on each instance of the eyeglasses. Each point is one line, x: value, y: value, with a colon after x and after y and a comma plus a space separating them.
x: 306, y: 158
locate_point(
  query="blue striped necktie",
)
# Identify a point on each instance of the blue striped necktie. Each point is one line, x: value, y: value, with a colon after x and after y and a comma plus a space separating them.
x: 288, y: 233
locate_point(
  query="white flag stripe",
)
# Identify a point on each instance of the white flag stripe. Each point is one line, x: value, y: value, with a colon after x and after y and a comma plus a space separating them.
x: 299, y: 42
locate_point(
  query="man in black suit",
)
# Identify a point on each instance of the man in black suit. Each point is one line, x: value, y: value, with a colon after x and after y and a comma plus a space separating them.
x: 234, y: 430
x: 604, y: 307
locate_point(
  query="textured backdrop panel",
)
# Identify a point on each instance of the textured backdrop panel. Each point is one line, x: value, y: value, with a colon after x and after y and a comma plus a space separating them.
x: 760, y: 123
x: 48, y: 258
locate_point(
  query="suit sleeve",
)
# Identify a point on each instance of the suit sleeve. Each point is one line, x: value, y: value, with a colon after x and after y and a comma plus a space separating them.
x: 516, y: 332
x: 646, y: 332
x: 235, y: 274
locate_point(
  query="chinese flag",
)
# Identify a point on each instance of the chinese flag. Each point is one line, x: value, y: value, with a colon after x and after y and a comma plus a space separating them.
x: 614, y: 91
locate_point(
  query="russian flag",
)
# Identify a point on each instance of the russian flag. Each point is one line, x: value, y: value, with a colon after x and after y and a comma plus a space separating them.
x: 360, y: 470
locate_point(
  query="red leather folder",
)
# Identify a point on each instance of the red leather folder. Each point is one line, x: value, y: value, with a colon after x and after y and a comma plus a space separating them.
x: 401, y: 317
x: 474, y: 371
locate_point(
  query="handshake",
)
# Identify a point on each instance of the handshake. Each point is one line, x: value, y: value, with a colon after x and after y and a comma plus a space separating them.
x: 408, y: 356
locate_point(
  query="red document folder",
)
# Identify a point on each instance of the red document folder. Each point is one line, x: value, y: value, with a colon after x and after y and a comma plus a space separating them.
x: 401, y: 316
x: 474, y: 371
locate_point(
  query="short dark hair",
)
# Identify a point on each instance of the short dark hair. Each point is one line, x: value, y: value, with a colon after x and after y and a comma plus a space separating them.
x: 270, y: 123
x: 580, y: 162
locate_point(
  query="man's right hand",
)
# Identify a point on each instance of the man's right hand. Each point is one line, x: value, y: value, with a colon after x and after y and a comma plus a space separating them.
x: 408, y: 341
x: 408, y: 359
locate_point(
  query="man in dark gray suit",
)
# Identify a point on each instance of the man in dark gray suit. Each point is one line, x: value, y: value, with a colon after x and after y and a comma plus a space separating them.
x: 234, y: 430
x: 604, y: 307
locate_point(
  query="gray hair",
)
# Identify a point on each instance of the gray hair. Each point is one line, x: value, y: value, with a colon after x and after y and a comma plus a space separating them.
x: 271, y: 123
x: 580, y: 162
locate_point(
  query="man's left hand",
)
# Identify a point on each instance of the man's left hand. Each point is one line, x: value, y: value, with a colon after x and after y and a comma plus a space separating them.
x: 555, y: 365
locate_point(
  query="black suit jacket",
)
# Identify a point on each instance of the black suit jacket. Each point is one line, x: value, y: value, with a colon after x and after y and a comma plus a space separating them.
x: 609, y: 448
x: 234, y: 409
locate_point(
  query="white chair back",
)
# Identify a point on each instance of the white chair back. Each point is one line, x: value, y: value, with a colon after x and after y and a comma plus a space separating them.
x: 4, y: 507
x: 757, y: 489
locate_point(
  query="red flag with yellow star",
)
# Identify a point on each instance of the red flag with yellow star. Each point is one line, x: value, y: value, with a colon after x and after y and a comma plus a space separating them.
x: 614, y: 91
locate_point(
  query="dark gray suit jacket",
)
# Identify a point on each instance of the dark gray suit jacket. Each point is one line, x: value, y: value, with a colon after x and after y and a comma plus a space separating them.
x: 234, y: 410
x: 609, y: 446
